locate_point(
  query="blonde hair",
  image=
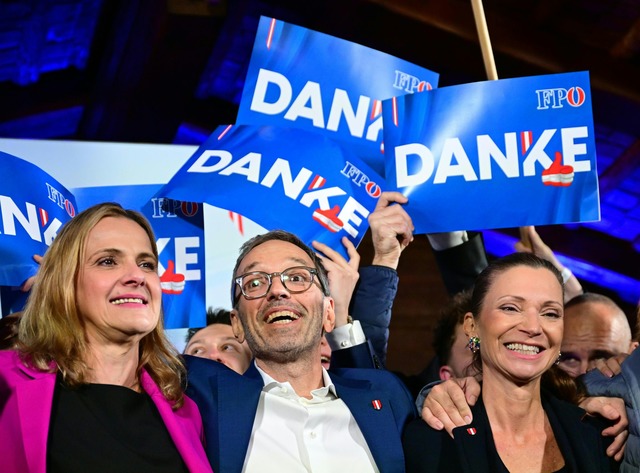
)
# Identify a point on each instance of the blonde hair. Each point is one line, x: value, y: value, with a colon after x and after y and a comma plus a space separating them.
x: 51, y: 330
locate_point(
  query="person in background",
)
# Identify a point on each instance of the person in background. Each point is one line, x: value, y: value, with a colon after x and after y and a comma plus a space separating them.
x: 449, y: 340
x: 94, y: 384
x: 595, y: 328
x: 287, y: 412
x: 515, y: 330
x: 452, y: 359
x: 620, y: 377
x: 217, y: 342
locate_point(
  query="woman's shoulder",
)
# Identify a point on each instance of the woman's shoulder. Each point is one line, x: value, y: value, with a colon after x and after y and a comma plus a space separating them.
x: 9, y: 360
x: 13, y: 368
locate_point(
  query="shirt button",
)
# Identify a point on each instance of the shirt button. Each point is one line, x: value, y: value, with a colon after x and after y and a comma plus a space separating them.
x: 344, y: 344
x: 312, y: 435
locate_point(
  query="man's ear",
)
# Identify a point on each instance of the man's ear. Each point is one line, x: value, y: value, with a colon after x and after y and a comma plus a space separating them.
x: 236, y: 326
x: 445, y: 372
x: 329, y: 315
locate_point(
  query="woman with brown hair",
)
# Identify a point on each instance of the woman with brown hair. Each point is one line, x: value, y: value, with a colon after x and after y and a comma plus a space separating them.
x: 515, y: 329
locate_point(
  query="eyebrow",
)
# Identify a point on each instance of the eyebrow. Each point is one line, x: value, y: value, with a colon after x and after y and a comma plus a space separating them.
x: 118, y: 252
x: 522, y: 299
x: 195, y: 341
x: 300, y: 261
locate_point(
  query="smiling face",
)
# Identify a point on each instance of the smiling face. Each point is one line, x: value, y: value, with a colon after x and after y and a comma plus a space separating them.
x: 118, y: 287
x: 217, y: 342
x: 281, y: 326
x: 520, y: 324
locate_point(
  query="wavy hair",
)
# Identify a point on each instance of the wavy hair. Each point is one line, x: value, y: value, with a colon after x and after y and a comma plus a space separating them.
x: 51, y: 334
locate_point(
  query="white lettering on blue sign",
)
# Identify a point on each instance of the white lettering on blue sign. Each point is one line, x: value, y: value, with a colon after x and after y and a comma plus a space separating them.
x: 454, y: 160
x: 221, y: 161
x: 183, y: 257
x: 308, y: 105
x: 28, y: 221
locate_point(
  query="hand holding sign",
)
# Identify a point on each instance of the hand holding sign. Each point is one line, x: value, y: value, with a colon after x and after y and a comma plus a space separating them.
x: 391, y: 229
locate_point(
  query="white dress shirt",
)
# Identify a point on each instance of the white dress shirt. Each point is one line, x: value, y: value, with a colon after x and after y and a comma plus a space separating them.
x: 294, y: 434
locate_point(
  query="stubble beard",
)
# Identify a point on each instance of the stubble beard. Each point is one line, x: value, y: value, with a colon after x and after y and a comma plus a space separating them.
x: 291, y: 350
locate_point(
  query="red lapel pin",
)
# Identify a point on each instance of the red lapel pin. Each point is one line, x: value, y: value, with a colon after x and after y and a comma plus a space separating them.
x: 471, y: 430
x: 377, y: 405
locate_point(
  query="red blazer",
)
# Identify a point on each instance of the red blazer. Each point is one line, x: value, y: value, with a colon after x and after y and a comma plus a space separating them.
x: 26, y: 396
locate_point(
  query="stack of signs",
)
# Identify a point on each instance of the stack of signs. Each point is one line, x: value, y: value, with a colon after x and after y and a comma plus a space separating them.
x: 306, y: 152
x: 459, y: 153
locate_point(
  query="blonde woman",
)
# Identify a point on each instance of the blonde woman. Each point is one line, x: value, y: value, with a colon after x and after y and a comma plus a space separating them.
x: 94, y: 385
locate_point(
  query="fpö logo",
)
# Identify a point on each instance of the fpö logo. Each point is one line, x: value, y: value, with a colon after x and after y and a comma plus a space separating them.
x: 361, y: 179
x: 557, y: 98
x: 409, y: 83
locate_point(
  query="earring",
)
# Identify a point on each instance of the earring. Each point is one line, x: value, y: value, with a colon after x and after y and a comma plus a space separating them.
x: 559, y: 357
x: 473, y: 344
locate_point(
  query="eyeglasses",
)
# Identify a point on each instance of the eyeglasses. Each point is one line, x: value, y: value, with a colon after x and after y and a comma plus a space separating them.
x: 257, y: 284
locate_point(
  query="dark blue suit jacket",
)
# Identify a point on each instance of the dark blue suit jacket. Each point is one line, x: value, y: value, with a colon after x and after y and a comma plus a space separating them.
x: 228, y: 403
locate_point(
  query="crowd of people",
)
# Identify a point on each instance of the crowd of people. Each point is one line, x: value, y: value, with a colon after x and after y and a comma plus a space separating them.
x: 530, y: 373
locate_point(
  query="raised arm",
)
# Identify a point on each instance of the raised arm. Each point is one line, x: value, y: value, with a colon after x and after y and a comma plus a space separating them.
x: 572, y: 286
x: 391, y: 232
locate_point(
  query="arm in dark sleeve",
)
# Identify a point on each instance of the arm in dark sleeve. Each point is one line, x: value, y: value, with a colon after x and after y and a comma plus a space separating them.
x: 461, y: 264
x: 372, y: 303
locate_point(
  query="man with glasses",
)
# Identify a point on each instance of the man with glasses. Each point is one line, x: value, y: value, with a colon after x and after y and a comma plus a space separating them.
x: 287, y: 413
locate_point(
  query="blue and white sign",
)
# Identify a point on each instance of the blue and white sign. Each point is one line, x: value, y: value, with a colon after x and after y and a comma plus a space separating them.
x: 495, y: 154
x: 282, y: 178
x: 304, y: 79
x: 33, y: 208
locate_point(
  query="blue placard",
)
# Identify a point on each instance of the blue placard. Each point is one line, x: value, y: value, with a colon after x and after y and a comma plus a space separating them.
x: 179, y: 231
x: 282, y: 178
x: 495, y: 154
x: 301, y: 78
x: 33, y: 208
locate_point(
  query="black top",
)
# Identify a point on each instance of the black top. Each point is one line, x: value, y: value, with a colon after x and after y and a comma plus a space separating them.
x: 473, y: 450
x: 107, y: 428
